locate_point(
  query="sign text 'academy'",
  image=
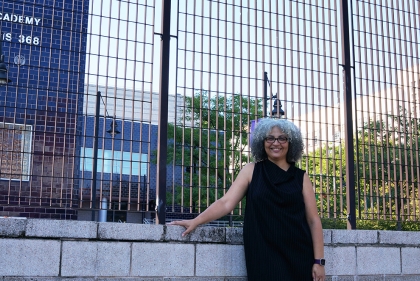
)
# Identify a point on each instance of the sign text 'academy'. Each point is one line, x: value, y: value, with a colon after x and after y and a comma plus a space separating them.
x: 20, y: 19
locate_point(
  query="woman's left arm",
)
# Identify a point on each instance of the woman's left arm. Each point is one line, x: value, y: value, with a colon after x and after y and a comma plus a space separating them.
x: 311, y: 210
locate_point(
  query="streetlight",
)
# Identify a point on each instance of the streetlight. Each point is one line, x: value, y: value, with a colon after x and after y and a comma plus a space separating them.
x: 113, y: 128
x: 277, y: 108
x: 113, y: 131
x: 3, y: 70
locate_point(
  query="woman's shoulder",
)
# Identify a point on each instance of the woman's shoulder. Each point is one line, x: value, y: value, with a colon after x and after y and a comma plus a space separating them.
x: 246, y: 172
x: 249, y: 167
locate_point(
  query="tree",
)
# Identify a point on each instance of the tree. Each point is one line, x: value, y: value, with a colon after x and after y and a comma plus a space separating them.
x: 209, y: 144
x: 389, y: 176
x: 387, y: 168
x: 326, y: 167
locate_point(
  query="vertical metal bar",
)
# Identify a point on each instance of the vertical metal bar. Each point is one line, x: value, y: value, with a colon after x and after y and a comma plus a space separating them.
x: 95, y: 153
x: 348, y: 110
x: 357, y: 169
x: 265, y: 95
x: 415, y: 86
x: 163, y: 113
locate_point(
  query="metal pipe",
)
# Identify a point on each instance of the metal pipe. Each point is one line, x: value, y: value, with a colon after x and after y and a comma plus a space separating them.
x: 348, y: 113
x: 265, y: 94
x: 163, y: 114
x: 104, y: 210
x: 95, y: 153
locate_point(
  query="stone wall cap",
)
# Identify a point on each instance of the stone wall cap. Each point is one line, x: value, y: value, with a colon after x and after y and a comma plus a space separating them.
x: 200, y: 234
x: 130, y: 231
x: 399, y: 237
x: 61, y: 228
x: 12, y: 226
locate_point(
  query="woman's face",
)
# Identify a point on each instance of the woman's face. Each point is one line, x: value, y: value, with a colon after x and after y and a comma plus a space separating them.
x: 276, y: 145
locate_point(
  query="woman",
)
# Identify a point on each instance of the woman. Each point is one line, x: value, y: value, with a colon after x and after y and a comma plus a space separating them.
x: 283, y: 237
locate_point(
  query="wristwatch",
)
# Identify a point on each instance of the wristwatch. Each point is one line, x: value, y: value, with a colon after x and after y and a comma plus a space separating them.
x: 319, y: 261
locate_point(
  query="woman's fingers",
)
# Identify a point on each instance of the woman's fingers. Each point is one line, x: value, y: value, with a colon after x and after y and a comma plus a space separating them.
x: 181, y: 223
x: 185, y: 223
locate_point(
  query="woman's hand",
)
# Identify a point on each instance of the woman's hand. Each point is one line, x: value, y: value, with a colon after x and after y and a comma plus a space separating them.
x: 318, y: 272
x: 190, y: 225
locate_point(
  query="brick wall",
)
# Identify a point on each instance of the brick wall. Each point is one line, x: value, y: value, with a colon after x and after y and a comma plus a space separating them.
x: 45, y: 92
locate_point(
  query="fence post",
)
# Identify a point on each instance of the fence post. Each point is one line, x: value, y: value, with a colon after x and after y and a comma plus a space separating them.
x: 163, y: 113
x: 348, y: 119
x: 95, y: 154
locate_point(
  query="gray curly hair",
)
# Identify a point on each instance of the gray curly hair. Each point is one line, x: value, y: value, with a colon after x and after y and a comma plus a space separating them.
x: 262, y: 130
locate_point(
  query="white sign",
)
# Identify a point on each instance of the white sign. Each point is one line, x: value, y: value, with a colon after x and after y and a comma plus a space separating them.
x: 20, y: 19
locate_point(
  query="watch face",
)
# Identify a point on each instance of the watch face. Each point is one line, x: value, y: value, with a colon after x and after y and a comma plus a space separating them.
x: 322, y: 261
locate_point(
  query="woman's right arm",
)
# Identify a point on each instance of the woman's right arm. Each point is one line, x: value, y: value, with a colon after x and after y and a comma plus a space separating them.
x: 224, y: 205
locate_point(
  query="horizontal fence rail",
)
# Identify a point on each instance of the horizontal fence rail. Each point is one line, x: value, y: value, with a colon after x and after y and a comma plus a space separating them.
x: 83, y: 135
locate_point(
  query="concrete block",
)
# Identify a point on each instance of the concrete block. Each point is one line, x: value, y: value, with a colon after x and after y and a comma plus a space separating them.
x: 12, y: 227
x: 327, y: 236
x: 368, y: 278
x: 341, y: 278
x: 47, y: 279
x: 129, y: 279
x: 340, y: 260
x: 342, y: 236
x: 61, y: 228
x: 410, y: 260
x: 95, y: 258
x: 78, y: 258
x: 378, y: 260
x: 234, y: 235
x: 162, y: 259
x: 200, y: 234
x: 220, y: 260
x: 21, y: 257
x: 399, y: 237
x: 195, y: 279
x: 402, y: 278
x: 130, y: 231
x: 113, y: 259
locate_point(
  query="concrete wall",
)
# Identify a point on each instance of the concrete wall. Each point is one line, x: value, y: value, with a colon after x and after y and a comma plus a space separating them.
x: 36, y: 249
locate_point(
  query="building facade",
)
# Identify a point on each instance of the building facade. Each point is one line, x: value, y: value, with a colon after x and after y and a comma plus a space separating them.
x: 127, y: 153
x: 44, y: 46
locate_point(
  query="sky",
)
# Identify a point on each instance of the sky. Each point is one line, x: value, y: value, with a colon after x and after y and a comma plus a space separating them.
x: 226, y: 46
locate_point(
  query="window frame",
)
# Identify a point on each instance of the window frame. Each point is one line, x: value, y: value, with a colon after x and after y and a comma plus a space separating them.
x: 25, y: 150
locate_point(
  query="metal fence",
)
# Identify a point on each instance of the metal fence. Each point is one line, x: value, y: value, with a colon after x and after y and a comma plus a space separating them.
x: 140, y: 111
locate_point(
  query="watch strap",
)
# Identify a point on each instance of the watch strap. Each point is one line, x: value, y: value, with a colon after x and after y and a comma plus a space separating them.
x: 319, y: 261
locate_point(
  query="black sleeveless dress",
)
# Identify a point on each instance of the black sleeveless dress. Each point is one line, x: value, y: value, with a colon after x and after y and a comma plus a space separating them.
x: 277, y: 239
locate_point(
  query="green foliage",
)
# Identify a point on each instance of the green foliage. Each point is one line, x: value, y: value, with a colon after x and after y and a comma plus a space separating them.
x: 209, y: 142
x: 388, y: 187
x: 326, y: 167
x: 364, y: 224
x: 386, y: 177
x: 333, y: 223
